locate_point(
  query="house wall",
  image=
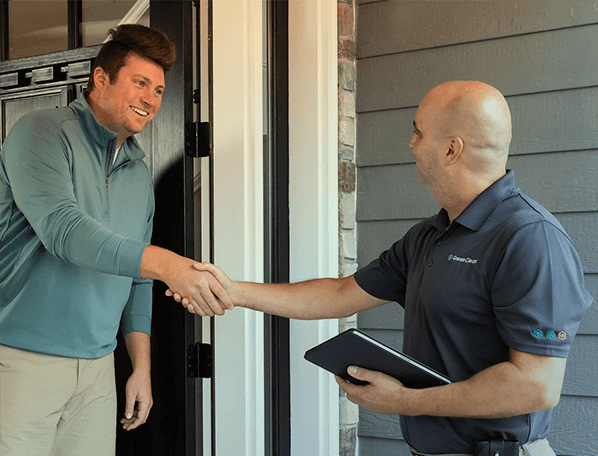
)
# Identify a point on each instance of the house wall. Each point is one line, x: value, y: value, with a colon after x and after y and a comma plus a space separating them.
x: 542, y: 56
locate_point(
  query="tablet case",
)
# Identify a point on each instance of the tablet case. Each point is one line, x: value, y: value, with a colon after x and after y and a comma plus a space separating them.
x: 354, y: 348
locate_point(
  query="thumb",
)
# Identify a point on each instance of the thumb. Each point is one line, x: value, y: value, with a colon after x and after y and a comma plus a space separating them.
x: 203, y: 266
x: 212, y: 269
x: 225, y: 282
x: 360, y: 373
x: 130, y: 405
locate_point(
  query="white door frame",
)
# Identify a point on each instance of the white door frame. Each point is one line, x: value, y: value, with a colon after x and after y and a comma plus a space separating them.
x: 238, y: 217
x: 313, y: 169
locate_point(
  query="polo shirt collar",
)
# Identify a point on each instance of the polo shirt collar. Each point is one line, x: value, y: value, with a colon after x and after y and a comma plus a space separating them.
x: 478, y: 211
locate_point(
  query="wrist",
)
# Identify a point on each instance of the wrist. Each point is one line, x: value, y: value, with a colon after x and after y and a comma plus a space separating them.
x: 156, y: 263
x: 139, y: 349
x: 142, y: 369
x: 240, y: 294
x: 411, y: 401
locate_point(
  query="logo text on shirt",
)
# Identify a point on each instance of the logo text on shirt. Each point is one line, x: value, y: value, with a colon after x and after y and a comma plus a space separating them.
x: 462, y: 260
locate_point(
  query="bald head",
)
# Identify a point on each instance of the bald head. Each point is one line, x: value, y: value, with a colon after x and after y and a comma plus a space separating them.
x: 461, y: 137
x: 475, y: 112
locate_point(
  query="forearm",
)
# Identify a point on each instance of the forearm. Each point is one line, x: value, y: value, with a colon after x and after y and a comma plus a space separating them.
x: 500, y: 391
x: 139, y: 349
x: 158, y: 263
x: 309, y: 300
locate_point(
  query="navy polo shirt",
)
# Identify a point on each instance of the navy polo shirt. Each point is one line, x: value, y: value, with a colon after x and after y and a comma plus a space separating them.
x: 503, y: 275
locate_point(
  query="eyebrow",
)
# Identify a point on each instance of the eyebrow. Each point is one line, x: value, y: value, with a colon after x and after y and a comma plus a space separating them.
x: 419, y: 133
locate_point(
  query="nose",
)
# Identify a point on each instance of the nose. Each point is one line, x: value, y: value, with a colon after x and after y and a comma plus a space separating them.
x: 146, y: 97
x: 412, y: 142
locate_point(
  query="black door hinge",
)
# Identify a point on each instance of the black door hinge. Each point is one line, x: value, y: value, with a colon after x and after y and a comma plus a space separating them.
x: 199, y: 360
x: 197, y: 139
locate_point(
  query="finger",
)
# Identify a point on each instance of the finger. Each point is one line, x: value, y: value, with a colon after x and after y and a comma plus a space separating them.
x: 142, y: 414
x: 195, y: 309
x: 176, y: 296
x: 127, y: 423
x: 349, y: 388
x: 341, y: 382
x: 214, y: 305
x: 209, y: 298
x: 216, y: 286
x: 201, y: 308
x: 223, y: 297
x: 354, y: 399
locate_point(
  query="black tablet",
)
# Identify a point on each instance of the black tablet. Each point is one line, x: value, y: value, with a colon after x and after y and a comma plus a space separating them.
x: 354, y: 348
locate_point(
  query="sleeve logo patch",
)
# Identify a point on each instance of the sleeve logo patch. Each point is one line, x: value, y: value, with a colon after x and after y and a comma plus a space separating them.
x: 538, y: 334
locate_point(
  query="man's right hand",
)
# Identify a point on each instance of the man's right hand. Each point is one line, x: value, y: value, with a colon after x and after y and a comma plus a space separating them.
x: 215, y: 274
x: 202, y: 292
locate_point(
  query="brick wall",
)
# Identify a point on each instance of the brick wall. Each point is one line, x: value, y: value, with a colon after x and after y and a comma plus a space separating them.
x: 349, y: 412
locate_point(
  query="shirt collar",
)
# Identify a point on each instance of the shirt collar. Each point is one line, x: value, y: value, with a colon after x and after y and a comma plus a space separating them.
x: 101, y: 135
x: 478, y: 211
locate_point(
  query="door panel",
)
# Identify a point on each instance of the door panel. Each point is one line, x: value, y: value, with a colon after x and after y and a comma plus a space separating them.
x: 13, y: 106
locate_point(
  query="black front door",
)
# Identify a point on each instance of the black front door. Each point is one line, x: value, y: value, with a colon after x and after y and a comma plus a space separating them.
x: 54, y: 80
x: 174, y: 421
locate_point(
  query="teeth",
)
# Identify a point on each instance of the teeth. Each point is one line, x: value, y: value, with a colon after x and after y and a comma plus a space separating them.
x: 139, y: 111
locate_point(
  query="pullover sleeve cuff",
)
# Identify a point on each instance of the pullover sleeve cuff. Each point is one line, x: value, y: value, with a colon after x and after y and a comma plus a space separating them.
x: 139, y: 323
x: 130, y: 258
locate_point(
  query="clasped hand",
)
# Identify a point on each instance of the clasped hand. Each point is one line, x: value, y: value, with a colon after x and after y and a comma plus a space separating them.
x: 204, y: 294
x: 383, y: 394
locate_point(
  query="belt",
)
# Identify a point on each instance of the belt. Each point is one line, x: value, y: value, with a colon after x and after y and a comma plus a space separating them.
x: 536, y: 448
x: 447, y: 454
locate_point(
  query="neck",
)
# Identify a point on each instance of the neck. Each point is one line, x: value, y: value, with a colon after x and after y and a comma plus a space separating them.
x: 463, y: 192
x: 103, y: 118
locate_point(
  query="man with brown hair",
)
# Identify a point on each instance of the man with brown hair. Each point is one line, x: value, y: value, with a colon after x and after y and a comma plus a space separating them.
x: 76, y: 210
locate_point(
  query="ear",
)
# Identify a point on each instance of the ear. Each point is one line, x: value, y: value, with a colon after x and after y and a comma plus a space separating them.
x: 100, y: 78
x: 454, y: 150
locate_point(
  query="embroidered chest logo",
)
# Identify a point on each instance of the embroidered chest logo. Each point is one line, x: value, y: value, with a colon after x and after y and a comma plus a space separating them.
x: 462, y: 260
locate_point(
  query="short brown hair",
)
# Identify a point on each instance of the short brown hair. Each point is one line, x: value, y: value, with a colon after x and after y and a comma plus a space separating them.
x: 146, y: 42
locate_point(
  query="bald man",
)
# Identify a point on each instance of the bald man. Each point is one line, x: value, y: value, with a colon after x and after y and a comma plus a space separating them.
x: 492, y: 289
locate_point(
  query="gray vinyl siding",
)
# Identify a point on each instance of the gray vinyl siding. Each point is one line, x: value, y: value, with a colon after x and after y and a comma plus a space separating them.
x: 543, y: 56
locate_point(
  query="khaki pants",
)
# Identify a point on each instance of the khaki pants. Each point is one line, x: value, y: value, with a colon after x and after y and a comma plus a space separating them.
x: 56, y: 406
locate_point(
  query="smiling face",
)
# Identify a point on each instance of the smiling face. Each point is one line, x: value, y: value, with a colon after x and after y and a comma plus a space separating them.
x: 128, y: 104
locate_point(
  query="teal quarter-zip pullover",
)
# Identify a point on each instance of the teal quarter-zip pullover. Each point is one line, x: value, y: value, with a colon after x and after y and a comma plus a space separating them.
x: 73, y: 229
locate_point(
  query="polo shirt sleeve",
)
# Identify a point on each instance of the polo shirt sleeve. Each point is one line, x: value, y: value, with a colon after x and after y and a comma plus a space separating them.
x: 538, y: 293
x: 37, y: 164
x: 137, y: 314
x: 385, y: 277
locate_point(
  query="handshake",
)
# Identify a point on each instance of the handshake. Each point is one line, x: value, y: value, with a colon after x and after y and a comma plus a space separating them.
x: 202, y: 288
x: 208, y: 291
